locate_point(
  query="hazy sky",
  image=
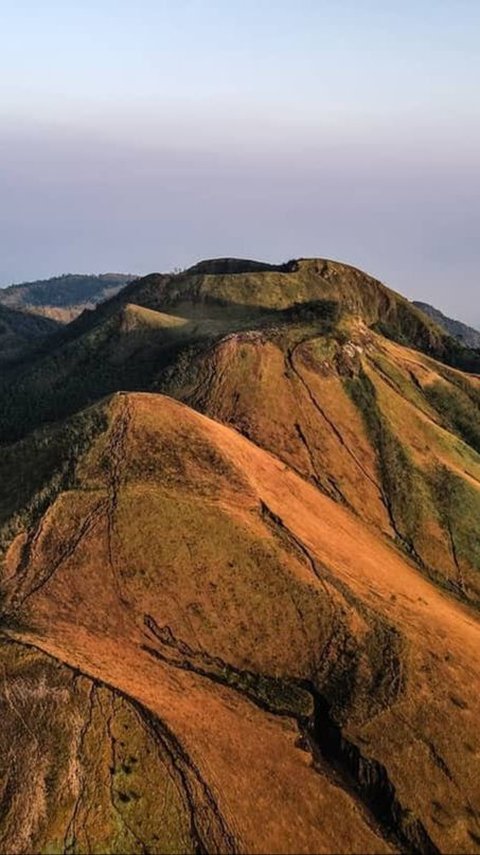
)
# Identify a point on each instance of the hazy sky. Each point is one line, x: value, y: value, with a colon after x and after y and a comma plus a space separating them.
x: 139, y: 136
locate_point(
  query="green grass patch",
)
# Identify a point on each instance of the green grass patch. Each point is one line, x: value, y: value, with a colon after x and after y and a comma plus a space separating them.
x: 399, y: 478
x: 457, y: 411
x: 459, y: 511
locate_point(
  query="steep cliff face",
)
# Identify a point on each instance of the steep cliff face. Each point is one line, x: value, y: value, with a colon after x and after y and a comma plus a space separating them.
x: 239, y: 609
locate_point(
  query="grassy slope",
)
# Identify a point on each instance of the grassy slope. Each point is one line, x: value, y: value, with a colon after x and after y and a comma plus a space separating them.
x: 347, y: 411
x: 227, y: 640
x: 172, y: 553
x: 88, y: 776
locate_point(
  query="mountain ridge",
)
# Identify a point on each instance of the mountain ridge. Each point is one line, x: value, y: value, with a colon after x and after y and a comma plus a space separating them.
x: 469, y: 336
x: 63, y: 297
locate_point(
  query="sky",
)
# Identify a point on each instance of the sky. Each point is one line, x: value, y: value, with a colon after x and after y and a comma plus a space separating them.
x: 145, y: 136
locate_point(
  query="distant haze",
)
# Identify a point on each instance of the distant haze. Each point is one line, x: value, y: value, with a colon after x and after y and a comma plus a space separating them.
x: 139, y: 137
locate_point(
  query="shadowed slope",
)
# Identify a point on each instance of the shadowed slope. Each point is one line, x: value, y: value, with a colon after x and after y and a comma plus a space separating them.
x: 296, y: 667
x: 18, y: 330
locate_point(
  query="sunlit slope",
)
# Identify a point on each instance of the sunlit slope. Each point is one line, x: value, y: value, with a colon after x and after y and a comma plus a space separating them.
x: 312, y: 690
x: 77, y: 759
x: 297, y: 358
x: 382, y: 429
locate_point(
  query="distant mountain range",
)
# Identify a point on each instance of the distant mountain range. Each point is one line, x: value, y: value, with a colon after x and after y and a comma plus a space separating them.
x: 63, y: 298
x: 468, y: 336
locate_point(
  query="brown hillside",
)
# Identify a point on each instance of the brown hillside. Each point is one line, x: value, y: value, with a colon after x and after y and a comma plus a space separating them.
x: 380, y: 428
x: 280, y: 675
